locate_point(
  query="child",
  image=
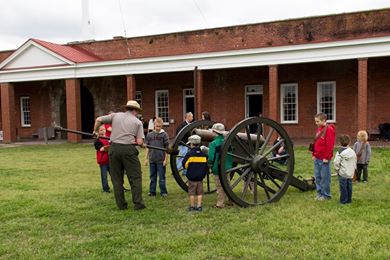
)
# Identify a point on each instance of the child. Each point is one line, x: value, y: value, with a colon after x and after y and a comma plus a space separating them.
x: 157, y: 159
x: 214, y: 162
x: 345, y: 165
x: 195, y: 162
x: 279, y: 151
x: 322, y: 154
x: 363, y: 153
x: 102, y: 146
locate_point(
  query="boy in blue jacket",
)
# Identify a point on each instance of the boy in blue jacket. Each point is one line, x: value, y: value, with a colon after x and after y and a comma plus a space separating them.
x: 195, y: 162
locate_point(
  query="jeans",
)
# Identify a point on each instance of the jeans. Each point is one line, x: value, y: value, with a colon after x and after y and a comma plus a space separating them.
x: 360, y: 168
x: 345, y: 190
x: 103, y: 173
x: 322, y: 177
x: 157, y: 169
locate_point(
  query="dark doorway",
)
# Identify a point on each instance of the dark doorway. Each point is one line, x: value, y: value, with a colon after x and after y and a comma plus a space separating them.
x: 189, y: 101
x: 87, y: 110
x: 255, y: 105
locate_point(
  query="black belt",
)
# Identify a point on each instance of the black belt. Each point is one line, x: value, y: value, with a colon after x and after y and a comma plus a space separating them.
x: 123, y: 144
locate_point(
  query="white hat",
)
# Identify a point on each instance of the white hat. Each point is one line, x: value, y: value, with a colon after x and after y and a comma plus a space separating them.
x: 218, y: 128
x: 194, y: 139
x: 133, y: 104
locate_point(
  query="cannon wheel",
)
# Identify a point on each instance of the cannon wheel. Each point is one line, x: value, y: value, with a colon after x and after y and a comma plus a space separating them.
x: 257, y: 176
x: 177, y: 170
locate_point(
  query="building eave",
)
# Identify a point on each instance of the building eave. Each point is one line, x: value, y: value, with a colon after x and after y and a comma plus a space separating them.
x: 315, y: 52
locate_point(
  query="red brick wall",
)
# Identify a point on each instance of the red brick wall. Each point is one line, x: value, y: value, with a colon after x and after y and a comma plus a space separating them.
x: 344, y: 73
x: 289, y: 32
x: 174, y: 83
x: 5, y: 54
x: 40, y: 107
x: 378, y: 92
x: 224, y: 94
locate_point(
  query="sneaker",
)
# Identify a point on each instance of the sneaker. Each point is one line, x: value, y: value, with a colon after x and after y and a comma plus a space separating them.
x: 320, y: 198
x: 199, y: 208
x: 152, y: 194
x: 139, y: 207
x: 191, y: 208
x: 164, y: 195
x: 364, y: 181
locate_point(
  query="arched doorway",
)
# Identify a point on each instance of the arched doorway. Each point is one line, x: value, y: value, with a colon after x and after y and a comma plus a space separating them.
x: 87, y: 109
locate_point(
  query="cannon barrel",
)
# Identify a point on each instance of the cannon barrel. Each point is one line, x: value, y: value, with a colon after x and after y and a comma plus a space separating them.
x: 208, y: 135
x: 168, y: 150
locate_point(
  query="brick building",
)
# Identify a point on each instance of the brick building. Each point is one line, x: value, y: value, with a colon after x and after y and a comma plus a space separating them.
x: 286, y: 70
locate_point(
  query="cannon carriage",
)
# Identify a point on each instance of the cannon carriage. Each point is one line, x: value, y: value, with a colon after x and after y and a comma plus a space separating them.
x: 261, y: 172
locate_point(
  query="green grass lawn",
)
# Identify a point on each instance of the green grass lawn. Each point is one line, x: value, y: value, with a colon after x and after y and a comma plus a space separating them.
x: 52, y: 206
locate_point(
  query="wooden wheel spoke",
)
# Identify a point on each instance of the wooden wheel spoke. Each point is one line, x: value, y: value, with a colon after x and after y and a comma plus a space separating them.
x: 246, y: 184
x: 273, y: 147
x: 242, y: 176
x: 279, y: 157
x: 242, y: 166
x: 266, y: 141
x: 265, y: 187
x: 248, y: 136
x: 258, y: 132
x: 239, y: 141
x: 255, y: 188
x: 276, y: 173
x: 272, y: 179
x: 239, y: 157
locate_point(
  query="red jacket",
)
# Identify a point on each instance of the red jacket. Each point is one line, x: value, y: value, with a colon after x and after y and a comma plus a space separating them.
x: 101, y: 157
x: 323, y: 146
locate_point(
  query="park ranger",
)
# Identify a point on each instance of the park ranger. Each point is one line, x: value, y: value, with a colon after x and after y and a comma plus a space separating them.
x: 127, y: 133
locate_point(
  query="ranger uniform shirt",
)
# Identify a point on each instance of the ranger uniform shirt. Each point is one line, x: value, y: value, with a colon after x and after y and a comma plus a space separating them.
x: 125, y: 127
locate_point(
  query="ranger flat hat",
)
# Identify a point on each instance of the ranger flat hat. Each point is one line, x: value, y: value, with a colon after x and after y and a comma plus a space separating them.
x: 133, y: 104
x: 218, y: 128
x: 194, y: 139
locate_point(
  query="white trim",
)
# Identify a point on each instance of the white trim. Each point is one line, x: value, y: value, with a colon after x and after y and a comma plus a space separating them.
x: 314, y: 52
x: 155, y: 104
x: 282, y: 92
x: 260, y: 92
x: 184, y: 99
x: 22, y: 111
x: 319, y: 83
x: 25, y: 46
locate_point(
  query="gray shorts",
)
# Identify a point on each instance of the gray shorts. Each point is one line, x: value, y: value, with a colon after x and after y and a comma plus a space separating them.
x: 195, y: 188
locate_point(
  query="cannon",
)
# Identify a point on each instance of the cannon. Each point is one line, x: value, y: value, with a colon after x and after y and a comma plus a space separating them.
x: 260, y: 173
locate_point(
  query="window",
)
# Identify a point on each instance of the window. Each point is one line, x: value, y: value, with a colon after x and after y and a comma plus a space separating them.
x: 289, y: 103
x: 162, y: 105
x: 25, y: 111
x: 138, y: 97
x: 326, y: 99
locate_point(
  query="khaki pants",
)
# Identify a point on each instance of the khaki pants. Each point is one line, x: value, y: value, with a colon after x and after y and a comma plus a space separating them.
x: 124, y: 160
x: 221, y: 196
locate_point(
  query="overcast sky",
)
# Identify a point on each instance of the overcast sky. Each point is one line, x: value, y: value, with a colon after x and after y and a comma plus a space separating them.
x: 60, y: 21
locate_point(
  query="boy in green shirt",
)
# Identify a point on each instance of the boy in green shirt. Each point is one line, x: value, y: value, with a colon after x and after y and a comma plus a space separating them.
x: 214, y: 162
